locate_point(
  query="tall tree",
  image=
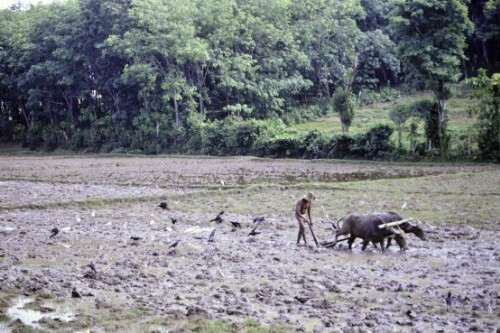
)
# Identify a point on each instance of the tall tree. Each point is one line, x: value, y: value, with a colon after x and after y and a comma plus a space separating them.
x: 487, y: 90
x: 328, y: 33
x: 431, y: 41
x: 489, y: 32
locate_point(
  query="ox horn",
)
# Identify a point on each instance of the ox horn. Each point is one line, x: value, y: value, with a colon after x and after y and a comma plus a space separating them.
x: 396, y: 231
x: 427, y: 224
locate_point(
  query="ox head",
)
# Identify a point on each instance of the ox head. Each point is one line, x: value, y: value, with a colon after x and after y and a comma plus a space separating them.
x: 416, y: 230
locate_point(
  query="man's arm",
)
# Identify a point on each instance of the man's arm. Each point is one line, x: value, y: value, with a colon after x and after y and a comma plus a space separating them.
x: 309, y: 214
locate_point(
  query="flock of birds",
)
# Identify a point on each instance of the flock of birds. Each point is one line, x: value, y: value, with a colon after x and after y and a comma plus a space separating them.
x: 164, y: 205
x: 211, y: 238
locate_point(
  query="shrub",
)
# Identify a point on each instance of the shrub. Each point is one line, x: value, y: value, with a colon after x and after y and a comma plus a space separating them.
x: 33, y: 137
x: 280, y: 147
x: 339, y: 146
x: 99, y: 133
x: 313, y: 145
x: 50, y: 136
x: 77, y: 140
x: 376, y: 142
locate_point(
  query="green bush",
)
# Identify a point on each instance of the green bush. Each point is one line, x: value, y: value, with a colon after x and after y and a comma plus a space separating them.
x: 33, y: 137
x: 99, y: 133
x: 377, y: 143
x: 231, y: 136
x: 339, y: 146
x: 50, y: 136
x: 152, y: 133
x: 279, y: 147
x: 77, y: 140
x: 313, y: 145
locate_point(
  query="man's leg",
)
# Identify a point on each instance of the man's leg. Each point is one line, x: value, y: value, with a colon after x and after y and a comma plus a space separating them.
x: 302, y: 232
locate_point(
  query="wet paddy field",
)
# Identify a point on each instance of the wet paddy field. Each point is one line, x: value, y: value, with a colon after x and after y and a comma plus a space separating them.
x: 242, y: 283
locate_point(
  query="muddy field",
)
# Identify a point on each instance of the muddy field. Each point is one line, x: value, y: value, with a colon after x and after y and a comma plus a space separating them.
x: 241, y: 283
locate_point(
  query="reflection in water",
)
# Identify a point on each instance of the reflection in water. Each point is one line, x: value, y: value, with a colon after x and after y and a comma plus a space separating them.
x: 4, y: 328
x: 31, y: 317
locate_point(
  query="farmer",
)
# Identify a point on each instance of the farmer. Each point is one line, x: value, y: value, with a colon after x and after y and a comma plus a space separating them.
x: 304, y: 206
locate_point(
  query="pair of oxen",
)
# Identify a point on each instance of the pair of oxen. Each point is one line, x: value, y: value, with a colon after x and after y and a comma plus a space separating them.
x: 373, y: 228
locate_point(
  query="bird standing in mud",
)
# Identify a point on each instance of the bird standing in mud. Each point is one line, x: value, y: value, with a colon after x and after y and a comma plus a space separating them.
x: 174, y: 221
x: 92, y: 267
x: 54, y: 232
x: 75, y: 293
x: 164, y: 205
x: 211, y: 236
x: 135, y: 239
x: 236, y: 224
x: 449, y: 300
x: 302, y: 299
x: 259, y: 219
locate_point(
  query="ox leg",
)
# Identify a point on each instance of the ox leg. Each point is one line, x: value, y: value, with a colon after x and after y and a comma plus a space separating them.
x: 389, y: 239
x: 365, y: 244
x: 382, y: 245
x: 350, y: 241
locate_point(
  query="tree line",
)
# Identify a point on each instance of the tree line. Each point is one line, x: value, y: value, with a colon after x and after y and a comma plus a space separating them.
x: 156, y: 76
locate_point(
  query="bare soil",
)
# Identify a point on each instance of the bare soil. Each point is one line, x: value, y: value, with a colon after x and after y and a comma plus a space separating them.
x: 244, y: 283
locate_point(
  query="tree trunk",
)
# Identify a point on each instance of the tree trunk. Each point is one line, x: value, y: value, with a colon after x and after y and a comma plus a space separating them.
x: 442, y: 111
x: 26, y: 117
x: 176, y: 108
x: 200, y: 102
x: 443, y: 136
x: 48, y: 110
x: 327, y: 92
x: 485, y: 55
x: 71, y: 110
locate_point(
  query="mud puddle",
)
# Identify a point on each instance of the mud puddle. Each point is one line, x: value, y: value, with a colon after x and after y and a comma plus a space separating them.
x: 20, y: 310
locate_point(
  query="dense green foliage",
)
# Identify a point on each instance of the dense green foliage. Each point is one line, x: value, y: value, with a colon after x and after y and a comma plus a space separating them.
x: 225, y: 77
x: 432, y: 41
x: 487, y: 90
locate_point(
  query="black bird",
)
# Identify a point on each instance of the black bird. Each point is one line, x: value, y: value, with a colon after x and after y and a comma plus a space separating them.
x: 164, y: 205
x: 92, y: 267
x: 253, y: 232
x: 211, y: 236
x: 449, y: 299
x: 301, y: 299
x: 221, y: 213
x: 174, y: 244
x: 218, y: 219
x: 75, y: 294
x: 135, y: 238
x: 54, y: 231
x: 174, y: 221
x: 258, y: 219
x: 411, y: 314
x: 236, y: 224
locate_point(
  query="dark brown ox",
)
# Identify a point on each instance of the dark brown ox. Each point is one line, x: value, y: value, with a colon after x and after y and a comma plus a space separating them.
x: 407, y: 227
x: 366, y: 226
